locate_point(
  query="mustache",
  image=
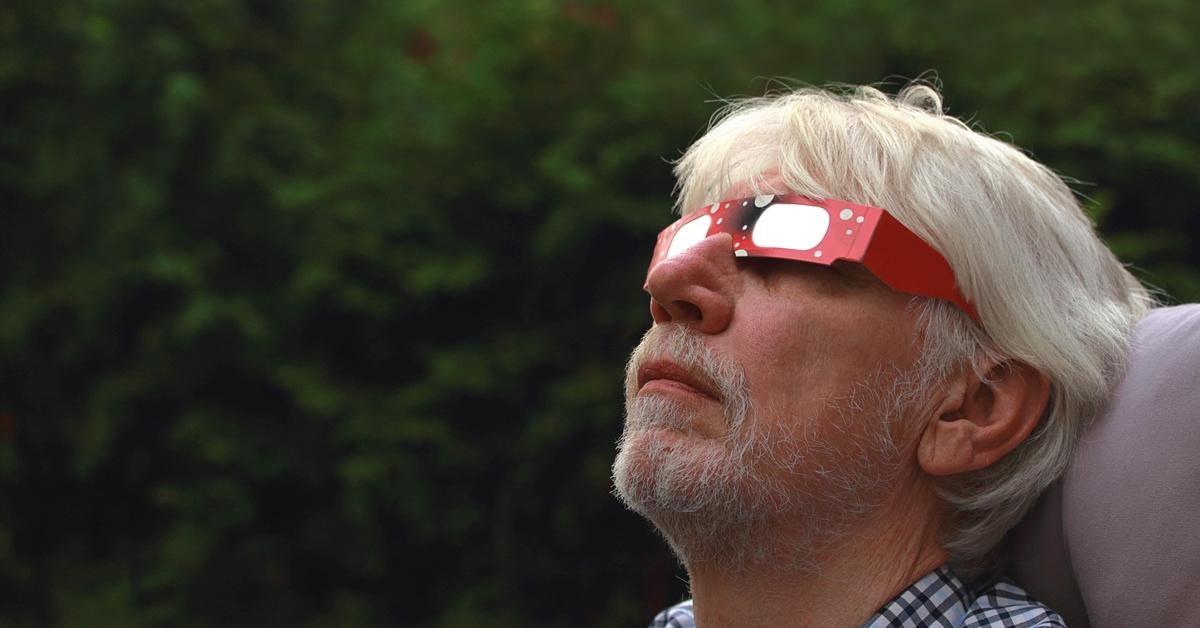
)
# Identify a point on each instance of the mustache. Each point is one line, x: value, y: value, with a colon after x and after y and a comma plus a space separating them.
x: 687, y: 348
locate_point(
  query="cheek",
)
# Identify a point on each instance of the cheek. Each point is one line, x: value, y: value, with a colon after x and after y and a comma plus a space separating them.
x: 797, y: 362
x: 791, y: 365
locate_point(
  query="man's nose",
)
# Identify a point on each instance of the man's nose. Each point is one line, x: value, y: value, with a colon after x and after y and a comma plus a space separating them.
x: 697, y: 287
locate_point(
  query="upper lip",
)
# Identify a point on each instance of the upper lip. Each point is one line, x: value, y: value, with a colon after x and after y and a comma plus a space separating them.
x: 666, y: 369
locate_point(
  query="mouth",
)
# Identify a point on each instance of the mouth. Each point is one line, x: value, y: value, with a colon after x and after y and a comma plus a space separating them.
x: 665, y: 375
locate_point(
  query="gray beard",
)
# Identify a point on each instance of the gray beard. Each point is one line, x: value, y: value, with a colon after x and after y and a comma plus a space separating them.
x: 771, y: 493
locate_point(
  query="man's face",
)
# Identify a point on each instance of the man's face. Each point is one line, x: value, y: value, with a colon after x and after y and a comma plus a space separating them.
x: 766, y: 390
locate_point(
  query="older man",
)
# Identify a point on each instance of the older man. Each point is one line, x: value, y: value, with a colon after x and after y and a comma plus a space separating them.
x: 876, y: 337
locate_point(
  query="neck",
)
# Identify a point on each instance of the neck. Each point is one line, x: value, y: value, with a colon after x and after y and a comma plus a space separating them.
x: 842, y: 583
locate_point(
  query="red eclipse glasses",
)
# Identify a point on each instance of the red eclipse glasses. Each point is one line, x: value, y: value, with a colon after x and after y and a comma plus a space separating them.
x: 819, y: 232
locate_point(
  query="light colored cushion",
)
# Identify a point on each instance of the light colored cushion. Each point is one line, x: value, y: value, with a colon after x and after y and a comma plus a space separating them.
x: 1119, y: 534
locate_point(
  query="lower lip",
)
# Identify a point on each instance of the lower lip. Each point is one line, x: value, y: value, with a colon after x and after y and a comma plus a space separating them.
x: 671, y: 386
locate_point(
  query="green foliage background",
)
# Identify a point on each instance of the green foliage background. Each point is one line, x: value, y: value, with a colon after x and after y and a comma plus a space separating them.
x: 314, y: 313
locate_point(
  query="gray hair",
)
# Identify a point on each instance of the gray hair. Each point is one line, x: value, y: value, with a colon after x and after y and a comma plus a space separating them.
x: 1049, y: 293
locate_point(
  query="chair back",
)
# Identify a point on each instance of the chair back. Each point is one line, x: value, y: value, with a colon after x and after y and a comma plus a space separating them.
x: 1115, y: 543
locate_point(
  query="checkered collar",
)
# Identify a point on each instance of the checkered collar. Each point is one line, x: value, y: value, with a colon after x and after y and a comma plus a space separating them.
x: 938, y: 599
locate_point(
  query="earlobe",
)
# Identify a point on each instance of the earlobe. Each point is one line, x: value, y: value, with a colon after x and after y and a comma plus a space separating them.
x: 979, y: 421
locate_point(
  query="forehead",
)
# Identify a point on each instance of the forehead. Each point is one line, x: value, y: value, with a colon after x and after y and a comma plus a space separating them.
x: 770, y: 182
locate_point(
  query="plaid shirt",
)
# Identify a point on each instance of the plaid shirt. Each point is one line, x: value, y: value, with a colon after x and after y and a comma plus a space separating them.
x: 938, y: 600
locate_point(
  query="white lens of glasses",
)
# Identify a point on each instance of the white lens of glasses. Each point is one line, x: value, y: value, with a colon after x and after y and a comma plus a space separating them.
x: 689, y: 234
x: 796, y: 227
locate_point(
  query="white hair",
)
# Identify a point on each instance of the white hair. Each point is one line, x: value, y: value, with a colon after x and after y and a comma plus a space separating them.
x: 1048, y: 292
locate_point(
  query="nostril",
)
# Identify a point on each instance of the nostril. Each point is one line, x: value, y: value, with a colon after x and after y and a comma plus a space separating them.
x: 677, y: 311
x: 687, y: 311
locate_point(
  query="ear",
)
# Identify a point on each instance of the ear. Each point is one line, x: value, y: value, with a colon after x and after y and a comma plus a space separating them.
x: 980, y: 421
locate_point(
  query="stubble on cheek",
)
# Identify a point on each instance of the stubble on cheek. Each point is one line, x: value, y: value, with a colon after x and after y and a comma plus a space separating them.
x: 838, y: 460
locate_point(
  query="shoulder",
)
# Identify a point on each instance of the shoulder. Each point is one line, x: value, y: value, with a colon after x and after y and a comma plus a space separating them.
x: 678, y: 616
x: 1006, y: 604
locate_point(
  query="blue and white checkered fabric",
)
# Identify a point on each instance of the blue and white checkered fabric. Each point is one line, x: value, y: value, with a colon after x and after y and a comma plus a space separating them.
x: 939, y: 600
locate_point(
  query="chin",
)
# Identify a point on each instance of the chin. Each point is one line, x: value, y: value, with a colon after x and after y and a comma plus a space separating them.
x: 692, y: 489
x: 725, y: 498
x: 661, y: 469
